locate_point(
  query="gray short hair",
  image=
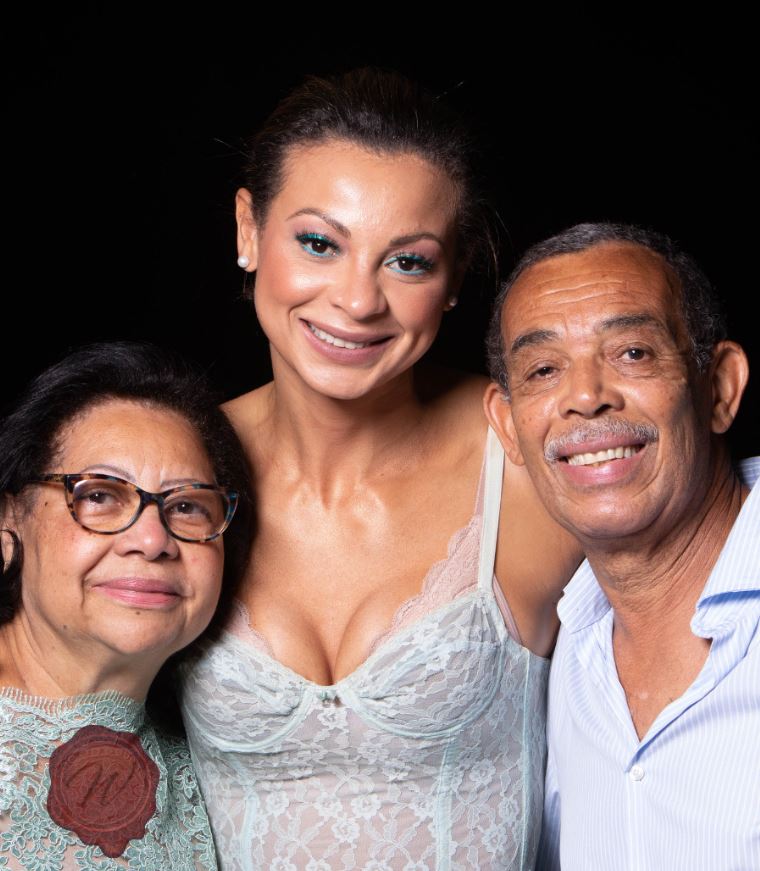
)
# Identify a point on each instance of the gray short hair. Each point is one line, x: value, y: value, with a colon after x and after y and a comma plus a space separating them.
x: 702, y: 311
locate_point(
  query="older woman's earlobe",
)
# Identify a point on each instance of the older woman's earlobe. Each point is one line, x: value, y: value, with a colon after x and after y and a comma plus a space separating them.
x: 5, y: 557
x: 12, y: 511
x: 10, y: 548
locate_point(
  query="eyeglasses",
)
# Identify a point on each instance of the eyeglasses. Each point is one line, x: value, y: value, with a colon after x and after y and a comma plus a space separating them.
x: 107, y: 505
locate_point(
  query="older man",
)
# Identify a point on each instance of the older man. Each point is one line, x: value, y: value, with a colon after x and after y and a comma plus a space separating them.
x: 615, y: 385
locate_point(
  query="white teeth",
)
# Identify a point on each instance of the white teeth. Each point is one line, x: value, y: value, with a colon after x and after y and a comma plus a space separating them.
x: 603, y: 456
x: 334, y: 340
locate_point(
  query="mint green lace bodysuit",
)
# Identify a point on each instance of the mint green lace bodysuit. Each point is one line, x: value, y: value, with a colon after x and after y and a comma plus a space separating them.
x: 428, y: 757
x: 174, y: 832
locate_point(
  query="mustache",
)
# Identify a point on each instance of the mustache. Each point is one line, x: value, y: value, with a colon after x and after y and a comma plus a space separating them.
x: 560, y: 446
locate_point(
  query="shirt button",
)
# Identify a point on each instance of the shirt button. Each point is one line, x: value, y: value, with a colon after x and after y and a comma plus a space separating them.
x: 636, y: 773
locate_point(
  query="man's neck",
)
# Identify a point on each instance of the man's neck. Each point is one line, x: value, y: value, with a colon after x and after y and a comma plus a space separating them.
x: 653, y: 587
x: 661, y: 571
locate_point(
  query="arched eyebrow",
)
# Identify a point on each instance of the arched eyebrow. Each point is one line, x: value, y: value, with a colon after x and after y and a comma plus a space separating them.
x: 336, y: 225
x: 346, y: 233
x: 108, y: 469
x: 414, y: 237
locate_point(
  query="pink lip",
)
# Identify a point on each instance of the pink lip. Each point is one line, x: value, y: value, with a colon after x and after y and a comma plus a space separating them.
x: 345, y: 334
x: 609, y: 472
x: 346, y: 355
x: 143, y: 592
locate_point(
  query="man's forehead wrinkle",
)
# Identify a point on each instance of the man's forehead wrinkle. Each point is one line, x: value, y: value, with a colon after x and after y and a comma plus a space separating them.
x: 598, y: 279
x: 554, y: 290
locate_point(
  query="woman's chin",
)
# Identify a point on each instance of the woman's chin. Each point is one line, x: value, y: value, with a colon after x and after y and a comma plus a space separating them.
x: 144, y: 637
x: 355, y: 385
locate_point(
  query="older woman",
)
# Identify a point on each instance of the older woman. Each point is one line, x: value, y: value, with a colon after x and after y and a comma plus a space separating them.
x: 118, y: 477
x: 377, y: 701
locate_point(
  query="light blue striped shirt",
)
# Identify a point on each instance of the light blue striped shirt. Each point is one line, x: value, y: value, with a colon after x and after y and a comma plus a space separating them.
x: 687, y: 796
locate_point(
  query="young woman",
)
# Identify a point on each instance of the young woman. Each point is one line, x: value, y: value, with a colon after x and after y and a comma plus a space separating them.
x: 377, y: 702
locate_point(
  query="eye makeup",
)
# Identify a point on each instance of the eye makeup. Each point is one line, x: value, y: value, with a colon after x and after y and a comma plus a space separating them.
x: 317, y: 244
x: 409, y: 263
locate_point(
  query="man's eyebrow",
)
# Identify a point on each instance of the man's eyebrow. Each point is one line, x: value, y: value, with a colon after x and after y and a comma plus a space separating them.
x: 534, y: 337
x: 336, y: 225
x: 617, y: 322
x: 622, y: 322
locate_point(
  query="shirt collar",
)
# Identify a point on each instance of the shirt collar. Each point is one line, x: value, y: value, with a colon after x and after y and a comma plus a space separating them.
x: 583, y: 602
x: 737, y: 569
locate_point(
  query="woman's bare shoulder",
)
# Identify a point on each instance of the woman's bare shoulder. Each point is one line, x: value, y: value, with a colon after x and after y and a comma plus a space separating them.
x: 454, y: 399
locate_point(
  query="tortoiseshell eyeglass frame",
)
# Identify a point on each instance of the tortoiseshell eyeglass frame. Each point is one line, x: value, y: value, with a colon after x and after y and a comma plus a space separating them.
x: 70, y: 480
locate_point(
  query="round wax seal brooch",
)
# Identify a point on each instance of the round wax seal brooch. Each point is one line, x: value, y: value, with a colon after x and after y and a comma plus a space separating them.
x: 103, y: 788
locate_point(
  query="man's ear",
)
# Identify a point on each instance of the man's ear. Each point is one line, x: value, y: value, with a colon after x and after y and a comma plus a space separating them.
x: 729, y: 372
x: 247, y: 231
x: 498, y: 410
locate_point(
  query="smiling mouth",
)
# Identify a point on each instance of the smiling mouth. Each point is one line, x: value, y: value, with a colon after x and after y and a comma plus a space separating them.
x: 141, y: 592
x: 598, y: 457
x: 329, y: 339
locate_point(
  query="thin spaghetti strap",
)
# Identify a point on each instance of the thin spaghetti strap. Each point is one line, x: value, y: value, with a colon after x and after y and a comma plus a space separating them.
x: 494, y: 474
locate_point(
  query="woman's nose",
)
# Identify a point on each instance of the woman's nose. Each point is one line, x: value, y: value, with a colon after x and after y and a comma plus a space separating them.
x: 147, y: 536
x: 359, y: 293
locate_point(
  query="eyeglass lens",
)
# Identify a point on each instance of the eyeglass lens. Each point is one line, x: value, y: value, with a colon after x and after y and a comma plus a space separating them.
x: 109, y: 506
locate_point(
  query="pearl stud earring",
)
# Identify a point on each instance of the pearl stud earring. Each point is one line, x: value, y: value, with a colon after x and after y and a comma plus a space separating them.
x: 451, y: 302
x: 243, y: 261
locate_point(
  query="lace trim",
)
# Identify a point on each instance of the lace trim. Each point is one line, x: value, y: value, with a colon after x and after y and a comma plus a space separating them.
x: 240, y: 621
x: 410, y: 611
x: 240, y: 626
x: 434, y: 582
x: 54, y: 706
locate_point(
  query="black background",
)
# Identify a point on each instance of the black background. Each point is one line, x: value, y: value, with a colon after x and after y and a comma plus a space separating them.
x: 124, y: 129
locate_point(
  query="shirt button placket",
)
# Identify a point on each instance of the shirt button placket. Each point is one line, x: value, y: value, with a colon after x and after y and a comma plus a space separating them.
x: 635, y: 798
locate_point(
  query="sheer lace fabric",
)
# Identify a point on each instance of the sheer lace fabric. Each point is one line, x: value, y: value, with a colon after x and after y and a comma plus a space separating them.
x: 428, y: 756
x: 177, y: 836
